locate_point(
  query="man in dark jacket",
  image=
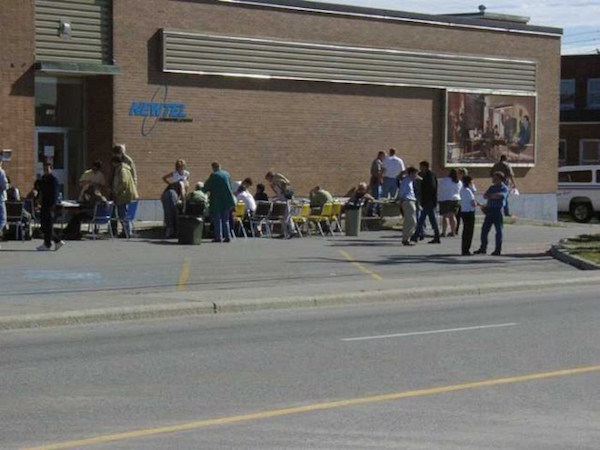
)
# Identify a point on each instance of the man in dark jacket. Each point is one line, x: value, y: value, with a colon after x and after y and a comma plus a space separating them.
x: 428, y: 201
x: 49, y: 191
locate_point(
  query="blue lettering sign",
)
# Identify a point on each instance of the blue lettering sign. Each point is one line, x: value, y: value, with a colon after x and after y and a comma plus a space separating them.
x: 160, y: 111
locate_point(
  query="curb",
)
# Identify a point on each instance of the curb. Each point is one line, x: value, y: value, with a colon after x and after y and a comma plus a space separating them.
x: 560, y: 253
x: 406, y: 296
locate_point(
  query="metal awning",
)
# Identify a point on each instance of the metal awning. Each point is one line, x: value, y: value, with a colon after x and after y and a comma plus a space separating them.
x: 76, y: 68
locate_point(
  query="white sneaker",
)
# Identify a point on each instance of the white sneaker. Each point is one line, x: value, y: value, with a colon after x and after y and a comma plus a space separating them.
x: 58, y: 245
x: 42, y: 248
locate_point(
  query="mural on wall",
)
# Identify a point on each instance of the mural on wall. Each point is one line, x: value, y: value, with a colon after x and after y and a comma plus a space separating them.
x: 481, y: 127
x: 158, y: 109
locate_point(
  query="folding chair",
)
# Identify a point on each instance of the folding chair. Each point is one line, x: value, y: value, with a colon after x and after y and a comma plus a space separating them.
x: 102, y: 214
x: 238, y: 218
x: 14, y: 216
x: 302, y: 218
x: 323, y: 216
x: 260, y: 217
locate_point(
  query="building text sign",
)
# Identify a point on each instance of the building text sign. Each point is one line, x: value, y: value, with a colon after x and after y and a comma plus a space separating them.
x: 158, y: 109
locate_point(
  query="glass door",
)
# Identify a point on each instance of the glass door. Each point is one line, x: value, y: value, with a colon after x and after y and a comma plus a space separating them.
x: 51, y: 145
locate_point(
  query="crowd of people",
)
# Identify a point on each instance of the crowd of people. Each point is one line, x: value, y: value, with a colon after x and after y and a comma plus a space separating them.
x: 420, y: 194
x: 418, y: 191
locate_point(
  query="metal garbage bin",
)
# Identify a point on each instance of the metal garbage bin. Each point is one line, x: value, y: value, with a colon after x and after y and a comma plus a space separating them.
x: 189, y: 230
x: 352, y: 220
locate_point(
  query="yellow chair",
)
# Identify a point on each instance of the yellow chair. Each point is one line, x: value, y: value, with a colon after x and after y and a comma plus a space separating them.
x: 302, y: 218
x: 324, y: 216
x: 336, y: 216
x: 238, y: 218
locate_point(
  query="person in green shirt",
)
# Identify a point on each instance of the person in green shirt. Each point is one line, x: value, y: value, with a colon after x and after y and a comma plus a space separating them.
x: 222, y: 202
x: 318, y: 197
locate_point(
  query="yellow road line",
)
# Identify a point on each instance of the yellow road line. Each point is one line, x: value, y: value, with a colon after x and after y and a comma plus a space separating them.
x: 184, y: 276
x: 313, y: 407
x: 360, y: 267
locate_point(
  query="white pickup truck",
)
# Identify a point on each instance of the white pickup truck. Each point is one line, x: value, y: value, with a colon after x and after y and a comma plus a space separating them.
x: 579, y: 191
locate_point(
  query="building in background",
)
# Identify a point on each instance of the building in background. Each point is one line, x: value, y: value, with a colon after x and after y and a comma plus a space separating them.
x: 309, y: 89
x: 579, y: 110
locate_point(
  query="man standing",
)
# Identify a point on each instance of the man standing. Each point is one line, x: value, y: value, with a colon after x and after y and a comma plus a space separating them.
x: 393, y: 166
x: 509, y: 178
x: 428, y: 199
x: 409, y: 205
x: 50, y: 195
x: 283, y: 193
x: 218, y: 185
x: 376, y: 178
x: 119, y: 150
x: 496, y: 196
x: 3, y: 189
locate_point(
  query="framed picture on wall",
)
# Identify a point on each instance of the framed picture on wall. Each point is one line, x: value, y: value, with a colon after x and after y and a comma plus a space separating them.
x: 481, y: 127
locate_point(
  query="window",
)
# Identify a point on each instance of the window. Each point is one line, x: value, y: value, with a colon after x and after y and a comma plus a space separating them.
x: 567, y: 94
x: 589, y: 151
x: 562, y: 151
x: 575, y: 176
x: 597, y: 176
x: 593, y: 93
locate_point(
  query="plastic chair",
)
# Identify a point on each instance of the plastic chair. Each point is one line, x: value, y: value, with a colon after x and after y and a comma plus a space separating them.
x: 102, y: 214
x: 259, y: 219
x: 278, y: 214
x: 14, y: 216
x: 336, y: 215
x: 238, y: 217
x: 302, y: 218
x: 323, y: 216
x: 131, y: 211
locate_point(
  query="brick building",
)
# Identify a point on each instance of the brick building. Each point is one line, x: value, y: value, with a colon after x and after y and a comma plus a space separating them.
x: 312, y: 90
x: 579, y: 110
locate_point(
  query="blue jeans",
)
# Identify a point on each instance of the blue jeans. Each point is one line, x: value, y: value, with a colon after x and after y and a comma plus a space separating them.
x: 2, y: 216
x: 427, y: 211
x: 389, y: 187
x: 493, y: 217
x: 123, y: 212
x: 376, y: 193
x: 220, y: 222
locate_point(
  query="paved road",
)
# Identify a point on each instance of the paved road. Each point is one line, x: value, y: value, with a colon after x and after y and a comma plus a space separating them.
x: 85, y: 275
x: 73, y: 383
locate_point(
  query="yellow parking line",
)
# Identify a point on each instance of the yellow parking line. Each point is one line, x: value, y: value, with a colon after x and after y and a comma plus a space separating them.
x: 360, y: 267
x: 184, y: 275
x: 313, y: 407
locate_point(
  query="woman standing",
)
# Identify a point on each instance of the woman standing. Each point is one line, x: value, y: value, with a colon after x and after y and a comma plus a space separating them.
x: 124, y: 190
x: 179, y: 174
x: 449, y: 198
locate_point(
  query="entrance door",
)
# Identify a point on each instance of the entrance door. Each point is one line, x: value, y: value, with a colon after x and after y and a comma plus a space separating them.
x: 52, y: 145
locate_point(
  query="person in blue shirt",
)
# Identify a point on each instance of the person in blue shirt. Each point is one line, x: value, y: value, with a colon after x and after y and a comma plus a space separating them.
x: 409, y: 205
x: 495, y: 196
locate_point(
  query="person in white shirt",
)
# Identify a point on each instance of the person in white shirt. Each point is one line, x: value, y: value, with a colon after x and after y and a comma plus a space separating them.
x: 244, y: 196
x: 449, y: 199
x: 467, y: 207
x: 393, y: 166
x: 179, y: 174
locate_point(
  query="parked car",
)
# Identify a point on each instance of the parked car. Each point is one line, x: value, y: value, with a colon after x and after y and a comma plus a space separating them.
x: 579, y: 191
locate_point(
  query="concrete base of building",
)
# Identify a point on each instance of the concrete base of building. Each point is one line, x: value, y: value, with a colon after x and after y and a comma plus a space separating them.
x: 526, y: 206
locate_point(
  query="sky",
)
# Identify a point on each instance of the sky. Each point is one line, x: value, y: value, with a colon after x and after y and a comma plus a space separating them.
x: 579, y: 19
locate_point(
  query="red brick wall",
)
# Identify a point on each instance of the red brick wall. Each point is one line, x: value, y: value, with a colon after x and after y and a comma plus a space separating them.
x: 99, y: 93
x: 573, y: 134
x: 17, y: 117
x: 313, y: 132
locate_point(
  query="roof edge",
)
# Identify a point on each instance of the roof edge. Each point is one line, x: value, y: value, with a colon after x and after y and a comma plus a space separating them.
x: 460, y: 21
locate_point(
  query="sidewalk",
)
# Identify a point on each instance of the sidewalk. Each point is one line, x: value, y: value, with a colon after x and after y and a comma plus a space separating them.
x: 88, y: 281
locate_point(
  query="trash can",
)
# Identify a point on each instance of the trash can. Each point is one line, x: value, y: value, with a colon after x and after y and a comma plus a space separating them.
x: 352, y: 220
x: 189, y: 230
